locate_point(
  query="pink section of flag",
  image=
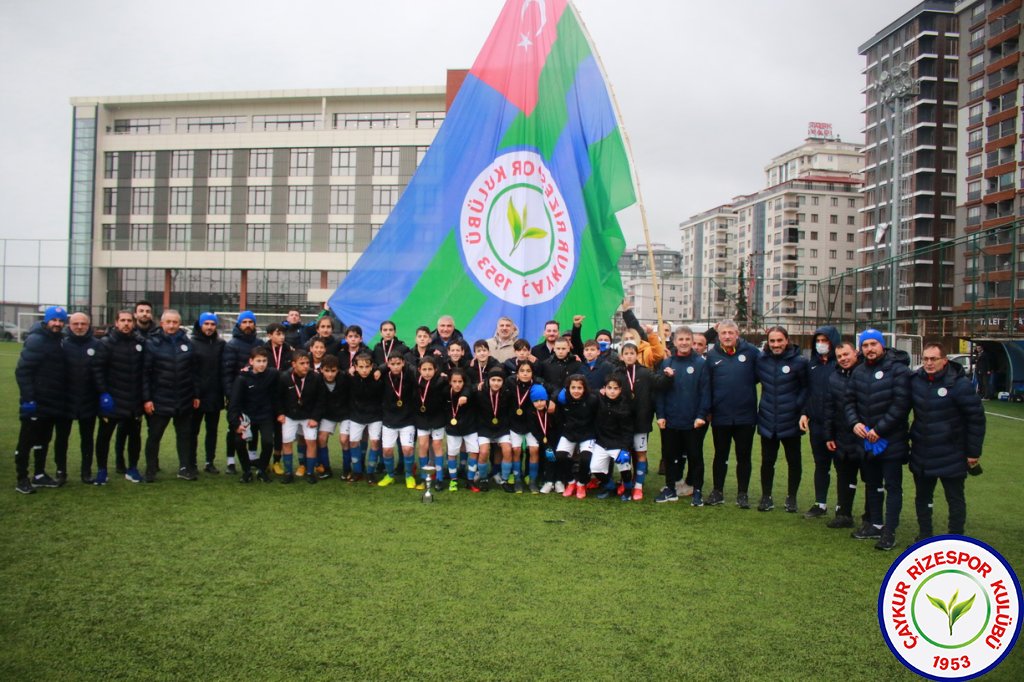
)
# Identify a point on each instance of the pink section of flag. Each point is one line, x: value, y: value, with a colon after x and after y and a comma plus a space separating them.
x: 513, y: 56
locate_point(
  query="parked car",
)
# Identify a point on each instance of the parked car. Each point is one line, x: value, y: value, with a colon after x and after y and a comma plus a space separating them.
x: 965, y: 360
x: 11, y: 332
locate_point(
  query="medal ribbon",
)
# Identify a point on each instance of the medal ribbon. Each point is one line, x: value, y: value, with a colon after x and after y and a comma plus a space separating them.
x: 298, y: 389
x: 455, y: 405
x: 543, y: 423
x: 423, y: 396
x: 277, y: 355
x: 398, y: 393
x: 494, y: 403
x: 521, y: 398
x: 631, y: 378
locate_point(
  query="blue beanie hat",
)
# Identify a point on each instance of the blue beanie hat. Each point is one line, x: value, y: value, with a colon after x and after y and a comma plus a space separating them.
x: 868, y: 334
x: 247, y: 315
x: 207, y: 317
x: 538, y: 392
x: 55, y: 312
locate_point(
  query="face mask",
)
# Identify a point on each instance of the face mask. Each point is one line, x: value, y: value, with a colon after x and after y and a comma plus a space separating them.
x: 822, y: 348
x: 602, y: 346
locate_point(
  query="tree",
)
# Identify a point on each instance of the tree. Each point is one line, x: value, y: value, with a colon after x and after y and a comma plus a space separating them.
x: 741, y: 298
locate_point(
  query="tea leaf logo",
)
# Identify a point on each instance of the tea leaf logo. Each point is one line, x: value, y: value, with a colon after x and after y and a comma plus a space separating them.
x: 516, y: 224
x: 952, y: 610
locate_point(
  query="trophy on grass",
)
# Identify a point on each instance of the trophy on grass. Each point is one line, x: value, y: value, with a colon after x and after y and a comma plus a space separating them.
x: 428, y: 477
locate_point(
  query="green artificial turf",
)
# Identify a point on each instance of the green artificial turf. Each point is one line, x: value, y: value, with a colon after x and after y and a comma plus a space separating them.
x: 213, y: 580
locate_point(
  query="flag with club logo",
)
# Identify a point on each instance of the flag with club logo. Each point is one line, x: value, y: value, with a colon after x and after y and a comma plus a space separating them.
x: 512, y: 209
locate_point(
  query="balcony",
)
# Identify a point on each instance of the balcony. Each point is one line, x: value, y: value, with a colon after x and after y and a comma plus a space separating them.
x: 791, y: 235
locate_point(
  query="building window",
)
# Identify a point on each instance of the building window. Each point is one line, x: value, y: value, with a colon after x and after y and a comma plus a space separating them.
x: 257, y: 237
x: 833, y: 236
x: 849, y: 256
x: 384, y: 198
x: 140, y: 237
x: 211, y: 124
x: 814, y: 270
x: 180, y: 201
x: 109, y: 232
x: 420, y: 153
x: 142, y: 200
x: 831, y: 271
x: 179, y: 237
x: 109, y: 200
x: 375, y: 230
x: 278, y: 122
x: 851, y: 220
x: 300, y: 162
x: 220, y: 163
x: 343, y: 200
x: 429, y: 119
x: 219, y: 201
x: 260, y: 162
x: 182, y: 163
x: 110, y: 160
x: 343, y: 161
x: 143, y: 164
x: 814, y: 217
x: 833, y: 219
x: 298, y: 238
x: 834, y: 200
x: 849, y: 237
x: 851, y: 203
x: 300, y: 199
x: 142, y: 126
x: 259, y: 201
x: 372, y: 120
x: 814, y: 201
x: 833, y: 254
x: 339, y: 238
x: 814, y: 253
x: 217, y: 237
x: 814, y: 234
x: 385, y: 160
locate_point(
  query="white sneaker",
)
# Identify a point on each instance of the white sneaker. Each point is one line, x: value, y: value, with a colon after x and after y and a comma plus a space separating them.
x: 547, y: 488
x: 683, y: 490
x: 559, y: 487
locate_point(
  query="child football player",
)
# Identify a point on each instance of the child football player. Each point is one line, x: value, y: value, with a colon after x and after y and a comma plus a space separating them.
x: 520, y: 422
x: 493, y: 407
x: 641, y: 383
x: 397, y: 406
x: 251, y: 408
x: 577, y: 409
x: 481, y: 364
x: 365, y: 413
x: 429, y: 417
x: 614, y: 429
x: 334, y: 413
x: 300, y: 404
x: 461, y: 428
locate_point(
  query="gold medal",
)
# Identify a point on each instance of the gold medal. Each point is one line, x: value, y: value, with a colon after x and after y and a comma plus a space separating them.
x: 544, y: 440
x: 494, y: 421
x: 519, y: 411
x: 399, y: 403
x: 454, y: 422
x: 423, y: 408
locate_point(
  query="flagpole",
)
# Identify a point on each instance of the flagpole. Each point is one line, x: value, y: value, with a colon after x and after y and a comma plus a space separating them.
x: 632, y: 167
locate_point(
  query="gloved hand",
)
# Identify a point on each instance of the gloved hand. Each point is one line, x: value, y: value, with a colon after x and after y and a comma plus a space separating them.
x: 561, y: 397
x: 550, y: 454
x: 622, y: 457
x: 106, y: 404
x: 28, y: 409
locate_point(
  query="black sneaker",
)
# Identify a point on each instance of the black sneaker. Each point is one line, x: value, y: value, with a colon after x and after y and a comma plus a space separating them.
x: 231, y: 469
x: 150, y: 477
x: 25, y: 487
x: 311, y: 477
x: 534, y: 490
x: 766, y: 504
x: 438, y: 485
x: 288, y: 478
x: 246, y: 477
x: 121, y: 468
x: 815, y: 512
x: 841, y: 521
x: 371, y: 478
x: 483, y: 485
x: 518, y: 487
x: 887, y: 541
x: 790, y: 505
x: 62, y: 478
x: 867, y: 532
x: 327, y: 473
x: 185, y: 474
x: 44, y: 481
x: 715, y: 498
x: 508, y: 487
x: 210, y: 469
x: 263, y: 476
x: 743, y: 501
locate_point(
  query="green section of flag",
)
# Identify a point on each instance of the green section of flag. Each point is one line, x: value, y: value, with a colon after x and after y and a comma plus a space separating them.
x: 544, y: 126
x: 596, y: 290
x: 444, y: 279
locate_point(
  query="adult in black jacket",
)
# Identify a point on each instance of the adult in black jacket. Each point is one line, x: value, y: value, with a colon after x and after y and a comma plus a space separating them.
x: 119, y: 378
x: 145, y: 325
x: 822, y: 365
x: 41, y: 384
x: 843, y: 446
x: 946, y: 437
x: 296, y: 333
x: 546, y: 348
x: 444, y: 335
x: 209, y: 356
x: 236, y: 358
x: 877, y: 406
x: 170, y: 391
x: 388, y: 345
x: 80, y: 347
x: 782, y: 371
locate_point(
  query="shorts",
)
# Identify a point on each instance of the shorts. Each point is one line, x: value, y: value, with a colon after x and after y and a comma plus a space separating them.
x: 565, y: 445
x: 435, y: 434
x: 290, y: 429
x: 328, y: 426
x: 405, y: 435
x: 518, y: 438
x: 487, y: 440
x: 640, y: 442
x: 355, y: 430
x: 602, y: 460
x: 455, y: 443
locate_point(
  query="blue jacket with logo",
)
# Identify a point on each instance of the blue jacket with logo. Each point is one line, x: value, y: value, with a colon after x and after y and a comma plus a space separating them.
x: 734, y: 385
x: 949, y: 422
x: 878, y: 396
x: 818, y: 373
x: 687, y: 394
x: 784, y: 391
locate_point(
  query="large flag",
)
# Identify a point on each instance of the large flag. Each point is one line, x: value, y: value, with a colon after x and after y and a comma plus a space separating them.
x: 512, y: 210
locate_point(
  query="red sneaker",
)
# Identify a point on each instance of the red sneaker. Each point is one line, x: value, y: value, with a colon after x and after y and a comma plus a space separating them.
x: 581, y: 492
x: 570, y: 489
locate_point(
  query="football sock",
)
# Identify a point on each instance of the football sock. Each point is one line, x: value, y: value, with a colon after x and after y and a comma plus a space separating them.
x: 534, y: 469
x: 641, y: 473
x: 288, y: 464
x: 356, y: 455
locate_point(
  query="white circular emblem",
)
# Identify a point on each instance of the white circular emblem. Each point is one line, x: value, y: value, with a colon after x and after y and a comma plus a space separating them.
x: 689, y: 370
x: 785, y: 369
x: 879, y: 374
x: 138, y: 347
x: 949, y: 608
x: 942, y: 392
x: 743, y: 358
x: 90, y: 351
x: 184, y: 348
x: 515, y: 232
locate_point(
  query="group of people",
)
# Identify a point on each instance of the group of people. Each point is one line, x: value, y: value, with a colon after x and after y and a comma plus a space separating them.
x: 564, y: 416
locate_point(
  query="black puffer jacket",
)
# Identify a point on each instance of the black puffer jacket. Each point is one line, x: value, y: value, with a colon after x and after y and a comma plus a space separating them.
x: 614, y: 423
x: 784, y: 391
x: 40, y: 371
x: 734, y: 385
x: 236, y: 356
x: 878, y: 396
x: 119, y: 372
x: 209, y: 353
x: 80, y: 359
x: 818, y: 373
x: 848, y: 445
x: 170, y: 373
x: 949, y: 422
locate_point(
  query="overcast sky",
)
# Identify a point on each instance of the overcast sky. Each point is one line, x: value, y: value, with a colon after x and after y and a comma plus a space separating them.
x: 709, y: 91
